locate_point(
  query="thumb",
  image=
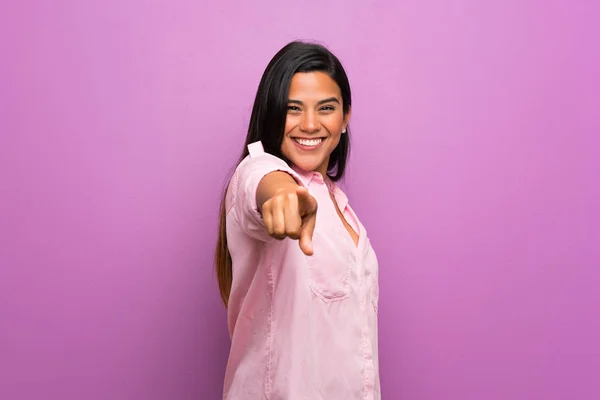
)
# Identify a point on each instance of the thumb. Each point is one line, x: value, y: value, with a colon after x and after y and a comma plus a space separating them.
x: 307, y: 204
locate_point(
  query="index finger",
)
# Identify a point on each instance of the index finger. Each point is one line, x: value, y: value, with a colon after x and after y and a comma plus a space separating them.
x: 306, y: 234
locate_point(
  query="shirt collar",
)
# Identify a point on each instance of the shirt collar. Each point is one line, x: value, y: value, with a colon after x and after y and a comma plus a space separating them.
x: 339, y: 195
x: 311, y: 176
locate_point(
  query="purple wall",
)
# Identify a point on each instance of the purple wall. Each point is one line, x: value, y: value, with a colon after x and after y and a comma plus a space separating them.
x: 475, y: 167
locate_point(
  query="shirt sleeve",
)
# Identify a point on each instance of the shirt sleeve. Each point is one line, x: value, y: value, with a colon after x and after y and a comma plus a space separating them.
x: 249, y: 174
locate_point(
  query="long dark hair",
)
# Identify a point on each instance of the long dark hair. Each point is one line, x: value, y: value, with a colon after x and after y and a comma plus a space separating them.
x: 267, y: 124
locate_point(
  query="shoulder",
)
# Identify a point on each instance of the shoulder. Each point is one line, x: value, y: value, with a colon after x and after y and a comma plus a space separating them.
x: 254, y: 167
x: 250, y: 171
x: 258, y: 161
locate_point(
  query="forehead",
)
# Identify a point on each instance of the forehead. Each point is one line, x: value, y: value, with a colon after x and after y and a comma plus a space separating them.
x: 315, y: 85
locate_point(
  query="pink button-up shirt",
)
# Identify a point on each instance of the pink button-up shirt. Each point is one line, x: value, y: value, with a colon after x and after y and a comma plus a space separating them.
x: 301, y: 327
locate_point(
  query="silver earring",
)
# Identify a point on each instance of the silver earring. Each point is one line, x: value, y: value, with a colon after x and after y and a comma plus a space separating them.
x: 344, y: 130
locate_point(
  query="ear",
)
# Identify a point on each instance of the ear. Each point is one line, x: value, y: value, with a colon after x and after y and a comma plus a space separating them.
x: 347, y: 118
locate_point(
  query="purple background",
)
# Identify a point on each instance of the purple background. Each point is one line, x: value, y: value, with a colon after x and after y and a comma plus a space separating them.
x: 475, y: 167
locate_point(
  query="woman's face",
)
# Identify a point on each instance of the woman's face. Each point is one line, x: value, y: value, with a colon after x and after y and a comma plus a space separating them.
x: 315, y: 120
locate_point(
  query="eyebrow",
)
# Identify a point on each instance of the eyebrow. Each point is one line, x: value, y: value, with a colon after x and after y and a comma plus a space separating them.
x: 328, y: 100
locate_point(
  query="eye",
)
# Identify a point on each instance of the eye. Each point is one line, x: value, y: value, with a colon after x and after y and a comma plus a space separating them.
x: 328, y: 108
x: 293, y: 108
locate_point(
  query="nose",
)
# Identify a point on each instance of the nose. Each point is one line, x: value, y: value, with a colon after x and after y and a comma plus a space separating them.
x: 310, y: 122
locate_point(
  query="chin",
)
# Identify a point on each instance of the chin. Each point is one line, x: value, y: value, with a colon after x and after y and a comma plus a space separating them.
x: 304, y: 161
x: 306, y: 166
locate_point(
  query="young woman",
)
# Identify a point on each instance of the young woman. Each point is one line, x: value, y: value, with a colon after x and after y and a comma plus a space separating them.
x: 295, y: 267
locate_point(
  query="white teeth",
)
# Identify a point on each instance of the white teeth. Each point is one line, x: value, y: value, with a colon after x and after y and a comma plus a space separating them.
x: 307, y: 142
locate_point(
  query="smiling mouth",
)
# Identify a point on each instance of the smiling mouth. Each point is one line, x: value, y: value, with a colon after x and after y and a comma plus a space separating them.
x: 309, y: 142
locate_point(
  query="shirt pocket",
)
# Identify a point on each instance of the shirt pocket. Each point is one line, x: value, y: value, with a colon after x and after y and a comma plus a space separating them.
x: 330, y: 268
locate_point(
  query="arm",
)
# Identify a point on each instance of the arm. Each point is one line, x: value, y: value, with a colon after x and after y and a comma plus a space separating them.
x: 272, y: 184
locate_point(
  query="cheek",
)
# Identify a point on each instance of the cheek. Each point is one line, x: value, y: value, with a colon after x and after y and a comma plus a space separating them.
x: 334, y: 126
x: 290, y: 122
x: 335, y: 122
x: 286, y: 145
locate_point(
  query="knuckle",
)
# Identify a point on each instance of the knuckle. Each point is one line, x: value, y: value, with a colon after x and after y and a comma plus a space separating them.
x: 266, y: 207
x: 277, y: 199
x: 278, y: 236
x: 294, y: 232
